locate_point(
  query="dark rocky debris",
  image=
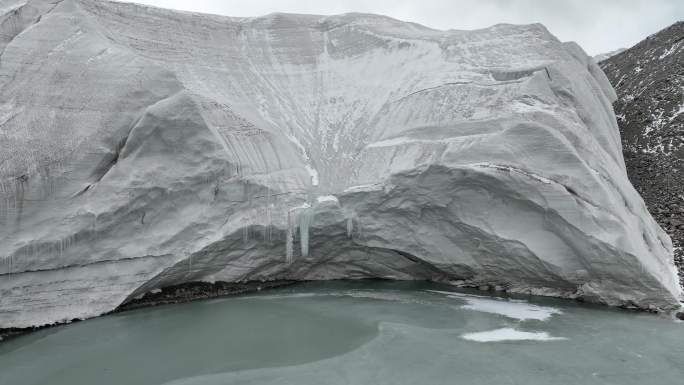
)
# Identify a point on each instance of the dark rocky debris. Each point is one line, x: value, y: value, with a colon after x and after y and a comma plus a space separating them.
x: 191, y: 291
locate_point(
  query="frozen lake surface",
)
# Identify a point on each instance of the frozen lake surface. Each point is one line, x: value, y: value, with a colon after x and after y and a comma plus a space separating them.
x: 355, y: 333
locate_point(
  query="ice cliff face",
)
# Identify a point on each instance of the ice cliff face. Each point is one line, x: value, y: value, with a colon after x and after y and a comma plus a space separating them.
x: 142, y: 147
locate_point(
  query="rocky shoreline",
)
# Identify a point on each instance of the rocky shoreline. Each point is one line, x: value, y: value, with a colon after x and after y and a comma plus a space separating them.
x: 186, y: 292
x: 192, y: 291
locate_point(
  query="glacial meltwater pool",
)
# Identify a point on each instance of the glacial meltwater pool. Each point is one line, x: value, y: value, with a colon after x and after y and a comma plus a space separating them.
x: 355, y: 333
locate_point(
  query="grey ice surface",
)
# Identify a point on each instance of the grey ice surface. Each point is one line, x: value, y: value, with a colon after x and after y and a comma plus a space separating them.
x: 355, y: 333
x: 142, y: 147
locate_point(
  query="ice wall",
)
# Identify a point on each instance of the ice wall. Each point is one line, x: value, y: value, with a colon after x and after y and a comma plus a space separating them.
x: 143, y: 147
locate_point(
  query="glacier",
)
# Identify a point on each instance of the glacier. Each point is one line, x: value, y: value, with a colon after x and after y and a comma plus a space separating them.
x: 143, y: 147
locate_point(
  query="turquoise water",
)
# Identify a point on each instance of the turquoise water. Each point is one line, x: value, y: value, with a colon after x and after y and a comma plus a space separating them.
x: 355, y: 333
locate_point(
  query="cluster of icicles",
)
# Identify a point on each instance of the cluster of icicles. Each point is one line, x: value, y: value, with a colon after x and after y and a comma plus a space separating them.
x: 13, y: 198
x: 302, y: 218
x: 299, y: 219
x: 299, y: 222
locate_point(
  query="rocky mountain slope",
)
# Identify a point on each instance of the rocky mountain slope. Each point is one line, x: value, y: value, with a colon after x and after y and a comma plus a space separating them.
x: 143, y: 148
x: 649, y: 81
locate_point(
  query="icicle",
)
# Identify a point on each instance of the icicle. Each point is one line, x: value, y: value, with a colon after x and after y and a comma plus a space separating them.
x: 269, y: 217
x: 245, y: 228
x: 266, y: 213
x: 245, y: 233
x: 350, y: 227
x: 289, y: 239
x: 305, y: 220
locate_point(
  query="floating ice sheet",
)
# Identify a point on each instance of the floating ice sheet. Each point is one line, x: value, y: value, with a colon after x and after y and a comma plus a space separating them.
x: 512, y: 308
x: 509, y: 334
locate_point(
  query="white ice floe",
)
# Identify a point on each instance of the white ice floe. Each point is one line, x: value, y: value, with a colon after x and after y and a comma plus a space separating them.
x: 512, y: 308
x: 509, y: 334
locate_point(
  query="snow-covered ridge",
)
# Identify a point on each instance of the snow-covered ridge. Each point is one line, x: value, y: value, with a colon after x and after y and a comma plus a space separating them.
x: 144, y: 147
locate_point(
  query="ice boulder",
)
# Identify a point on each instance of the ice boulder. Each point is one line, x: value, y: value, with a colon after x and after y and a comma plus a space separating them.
x: 142, y: 147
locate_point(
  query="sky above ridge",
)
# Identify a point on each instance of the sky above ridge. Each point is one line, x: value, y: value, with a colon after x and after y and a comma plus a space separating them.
x: 597, y: 25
